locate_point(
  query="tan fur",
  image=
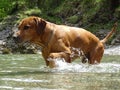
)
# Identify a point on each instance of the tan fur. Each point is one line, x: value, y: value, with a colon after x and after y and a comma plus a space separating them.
x: 57, y: 40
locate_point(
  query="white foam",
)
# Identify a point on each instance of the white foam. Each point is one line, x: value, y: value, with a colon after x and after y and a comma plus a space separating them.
x: 23, y: 80
x: 113, y: 50
x: 11, y: 88
x: 64, y: 67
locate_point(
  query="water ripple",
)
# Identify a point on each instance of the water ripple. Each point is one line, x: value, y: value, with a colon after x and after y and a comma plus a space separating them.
x: 74, y: 67
x: 115, y: 50
x: 23, y: 80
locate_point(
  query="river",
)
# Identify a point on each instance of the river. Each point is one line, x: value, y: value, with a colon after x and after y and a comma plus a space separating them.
x: 28, y: 72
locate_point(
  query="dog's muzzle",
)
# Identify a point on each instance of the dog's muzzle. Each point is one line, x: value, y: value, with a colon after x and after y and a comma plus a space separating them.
x: 16, y: 38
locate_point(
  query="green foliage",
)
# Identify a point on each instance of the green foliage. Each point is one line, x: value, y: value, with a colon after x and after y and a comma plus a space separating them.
x: 5, y: 7
x: 35, y: 12
x: 117, y: 12
x: 53, y: 19
x: 8, y: 7
x: 73, y: 19
x: 90, y: 13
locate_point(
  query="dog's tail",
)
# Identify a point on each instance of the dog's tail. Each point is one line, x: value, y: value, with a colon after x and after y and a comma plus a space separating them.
x: 110, y: 33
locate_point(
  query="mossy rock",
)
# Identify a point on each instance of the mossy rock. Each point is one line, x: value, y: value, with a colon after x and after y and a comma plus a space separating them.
x: 73, y: 19
x: 6, y: 51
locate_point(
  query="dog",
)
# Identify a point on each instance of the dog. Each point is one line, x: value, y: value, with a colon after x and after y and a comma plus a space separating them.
x: 57, y: 40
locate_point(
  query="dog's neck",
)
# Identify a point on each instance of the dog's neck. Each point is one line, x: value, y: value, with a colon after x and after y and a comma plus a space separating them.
x: 47, y: 35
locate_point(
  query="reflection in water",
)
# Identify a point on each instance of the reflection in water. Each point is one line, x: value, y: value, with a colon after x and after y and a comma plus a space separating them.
x: 28, y: 72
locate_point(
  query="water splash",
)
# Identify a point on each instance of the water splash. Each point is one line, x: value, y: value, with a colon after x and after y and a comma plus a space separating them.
x: 64, y: 67
x: 115, y: 50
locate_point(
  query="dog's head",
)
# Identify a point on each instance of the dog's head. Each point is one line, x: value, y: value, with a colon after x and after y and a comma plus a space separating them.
x: 29, y: 28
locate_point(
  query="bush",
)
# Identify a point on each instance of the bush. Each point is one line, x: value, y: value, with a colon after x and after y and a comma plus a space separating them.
x: 73, y: 19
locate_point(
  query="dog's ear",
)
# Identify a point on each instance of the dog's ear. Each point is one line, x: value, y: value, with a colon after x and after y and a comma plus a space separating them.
x: 40, y: 24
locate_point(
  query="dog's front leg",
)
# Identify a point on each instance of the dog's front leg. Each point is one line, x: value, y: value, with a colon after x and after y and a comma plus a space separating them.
x: 62, y: 55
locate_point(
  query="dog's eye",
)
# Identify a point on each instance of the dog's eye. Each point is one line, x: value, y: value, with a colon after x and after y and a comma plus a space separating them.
x: 26, y: 27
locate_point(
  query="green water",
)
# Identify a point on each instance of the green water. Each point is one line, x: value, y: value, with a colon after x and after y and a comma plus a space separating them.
x: 28, y: 72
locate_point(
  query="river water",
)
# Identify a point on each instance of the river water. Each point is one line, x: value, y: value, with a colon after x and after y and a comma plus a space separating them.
x: 28, y: 72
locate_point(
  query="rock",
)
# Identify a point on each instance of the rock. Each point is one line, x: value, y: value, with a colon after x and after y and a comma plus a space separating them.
x: 116, y: 41
x: 6, y: 51
x: 101, y: 33
x: 3, y: 49
x: 2, y: 42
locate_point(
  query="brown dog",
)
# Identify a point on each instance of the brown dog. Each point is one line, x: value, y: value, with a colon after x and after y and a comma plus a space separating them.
x: 57, y: 40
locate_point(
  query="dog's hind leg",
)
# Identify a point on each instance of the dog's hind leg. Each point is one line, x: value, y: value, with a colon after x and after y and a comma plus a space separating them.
x: 96, y: 55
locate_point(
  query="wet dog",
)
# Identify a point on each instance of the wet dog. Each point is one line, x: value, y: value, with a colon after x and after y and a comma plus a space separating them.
x: 57, y: 40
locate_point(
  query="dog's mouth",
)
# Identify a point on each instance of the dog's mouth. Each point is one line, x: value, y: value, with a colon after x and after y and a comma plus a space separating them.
x: 22, y: 43
x: 17, y: 40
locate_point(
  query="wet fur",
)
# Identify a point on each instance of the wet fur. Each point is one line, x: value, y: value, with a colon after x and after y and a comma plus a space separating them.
x: 56, y: 40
